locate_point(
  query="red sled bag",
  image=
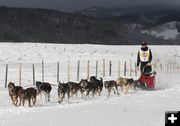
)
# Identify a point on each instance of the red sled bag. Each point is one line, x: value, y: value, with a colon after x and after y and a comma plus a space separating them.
x: 149, y: 80
x: 148, y: 77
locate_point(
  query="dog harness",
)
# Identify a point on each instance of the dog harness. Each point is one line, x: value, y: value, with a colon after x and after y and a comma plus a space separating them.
x: 144, y: 55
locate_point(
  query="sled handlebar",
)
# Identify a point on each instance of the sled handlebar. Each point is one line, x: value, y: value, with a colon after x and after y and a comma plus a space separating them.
x: 149, y: 64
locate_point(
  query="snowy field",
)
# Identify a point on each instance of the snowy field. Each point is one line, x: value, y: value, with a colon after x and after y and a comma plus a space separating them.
x: 137, y: 108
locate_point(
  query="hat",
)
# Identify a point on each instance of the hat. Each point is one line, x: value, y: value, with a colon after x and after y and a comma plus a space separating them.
x: 144, y: 44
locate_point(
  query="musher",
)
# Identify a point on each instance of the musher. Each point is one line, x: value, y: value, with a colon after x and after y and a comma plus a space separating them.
x: 144, y: 58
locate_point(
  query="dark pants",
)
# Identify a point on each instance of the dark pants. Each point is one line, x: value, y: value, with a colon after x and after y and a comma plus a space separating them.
x: 145, y: 68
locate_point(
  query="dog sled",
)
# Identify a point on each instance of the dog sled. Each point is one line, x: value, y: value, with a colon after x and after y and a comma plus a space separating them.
x: 148, y: 77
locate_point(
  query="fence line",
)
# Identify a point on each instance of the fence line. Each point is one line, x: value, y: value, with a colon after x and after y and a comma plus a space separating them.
x: 52, y: 71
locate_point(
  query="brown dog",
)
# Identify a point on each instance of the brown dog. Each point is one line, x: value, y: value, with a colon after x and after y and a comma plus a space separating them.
x: 124, y: 83
x: 32, y: 93
x: 17, y: 92
x: 63, y: 88
x: 74, y: 88
x: 23, y: 95
x: 28, y: 94
x: 111, y: 85
x: 14, y: 92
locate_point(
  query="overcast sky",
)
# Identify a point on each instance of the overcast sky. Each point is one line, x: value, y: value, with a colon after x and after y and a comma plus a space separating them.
x: 73, y: 5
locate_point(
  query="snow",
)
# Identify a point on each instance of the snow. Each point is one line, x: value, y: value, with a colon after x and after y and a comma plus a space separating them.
x: 137, y: 108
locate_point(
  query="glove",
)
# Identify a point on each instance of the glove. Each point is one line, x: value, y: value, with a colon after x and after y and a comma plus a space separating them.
x: 149, y: 64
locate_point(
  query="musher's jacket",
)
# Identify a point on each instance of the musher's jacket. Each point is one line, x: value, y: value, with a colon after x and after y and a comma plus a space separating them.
x: 144, y: 56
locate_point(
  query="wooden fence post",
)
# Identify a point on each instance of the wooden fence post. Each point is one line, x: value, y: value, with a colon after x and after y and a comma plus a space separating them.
x: 125, y: 68
x: 58, y: 72
x: 6, y: 76
x: 68, y: 71
x: 88, y: 69
x: 135, y: 69
x: 178, y: 68
x: 161, y: 67
x: 110, y: 69
x: 170, y: 68
x: 78, y: 70
x: 103, y: 67
x: 42, y: 71
x: 174, y: 68
x: 33, y: 74
x: 119, y: 69
x: 130, y: 68
x: 20, y: 72
x: 96, y: 68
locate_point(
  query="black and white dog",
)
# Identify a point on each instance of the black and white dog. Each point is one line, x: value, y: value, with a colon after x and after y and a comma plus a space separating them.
x: 87, y: 86
x: 44, y: 88
x: 98, y: 83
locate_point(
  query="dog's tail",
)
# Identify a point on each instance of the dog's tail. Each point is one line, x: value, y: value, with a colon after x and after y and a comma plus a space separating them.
x: 101, y: 80
x: 101, y: 84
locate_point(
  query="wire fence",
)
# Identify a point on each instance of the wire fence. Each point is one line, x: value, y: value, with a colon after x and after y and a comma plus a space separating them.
x: 25, y: 74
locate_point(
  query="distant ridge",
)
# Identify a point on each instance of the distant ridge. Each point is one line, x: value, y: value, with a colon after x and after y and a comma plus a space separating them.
x: 52, y: 26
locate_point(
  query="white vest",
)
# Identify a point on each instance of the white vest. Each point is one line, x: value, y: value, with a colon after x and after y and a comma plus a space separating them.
x: 144, y: 55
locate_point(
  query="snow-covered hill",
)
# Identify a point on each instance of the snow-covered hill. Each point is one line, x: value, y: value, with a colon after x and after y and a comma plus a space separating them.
x: 167, y: 31
x: 137, y: 108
